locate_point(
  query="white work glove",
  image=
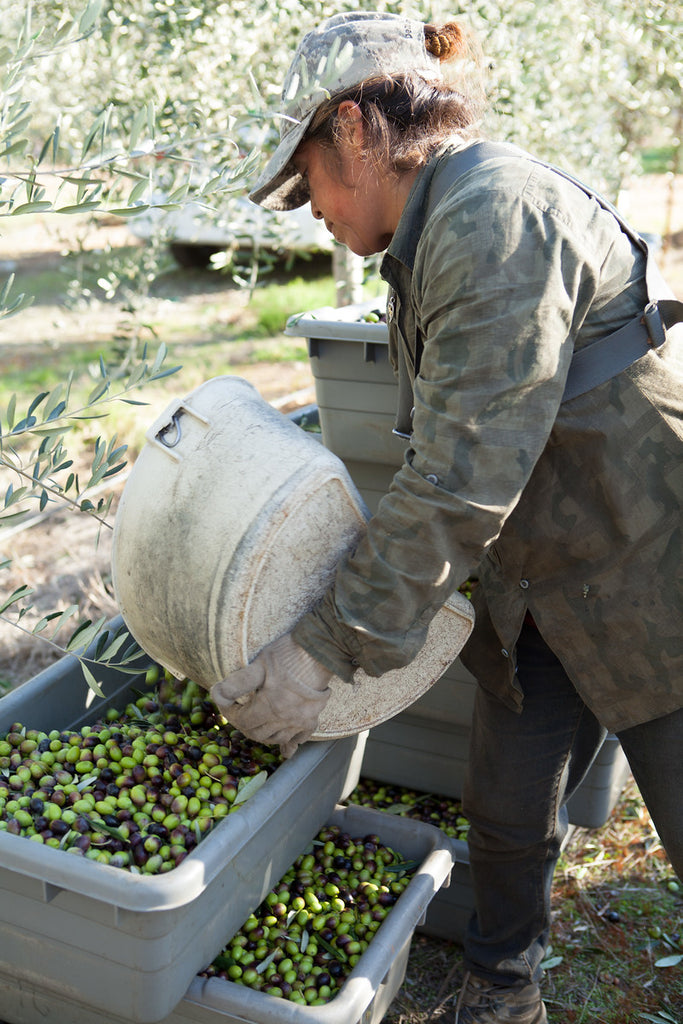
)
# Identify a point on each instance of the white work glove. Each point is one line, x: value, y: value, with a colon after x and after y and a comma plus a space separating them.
x: 278, y: 697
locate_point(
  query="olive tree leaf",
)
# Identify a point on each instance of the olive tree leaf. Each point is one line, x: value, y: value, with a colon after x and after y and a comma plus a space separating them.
x: 78, y: 207
x: 551, y: 962
x: 108, y: 651
x: 669, y: 961
x: 36, y: 207
x: 85, y: 782
x: 90, y: 16
x: 84, y: 635
x: 266, y: 962
x: 18, y: 595
x: 11, y: 409
x: 329, y: 948
x: 247, y: 786
x: 10, y: 305
x: 60, y: 617
x: 91, y: 680
x: 97, y: 825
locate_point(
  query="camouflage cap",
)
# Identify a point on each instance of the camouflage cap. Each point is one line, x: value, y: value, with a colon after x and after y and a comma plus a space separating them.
x: 341, y: 52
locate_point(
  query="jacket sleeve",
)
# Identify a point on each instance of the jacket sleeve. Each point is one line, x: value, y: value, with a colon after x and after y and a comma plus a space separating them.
x: 500, y: 287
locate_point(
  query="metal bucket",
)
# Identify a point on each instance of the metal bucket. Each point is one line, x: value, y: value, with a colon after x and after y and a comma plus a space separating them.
x: 229, y: 529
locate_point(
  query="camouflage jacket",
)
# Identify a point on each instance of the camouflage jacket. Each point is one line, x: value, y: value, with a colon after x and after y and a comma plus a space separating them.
x: 570, y: 510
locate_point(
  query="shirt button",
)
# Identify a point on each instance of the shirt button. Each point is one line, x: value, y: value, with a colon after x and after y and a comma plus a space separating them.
x: 355, y: 661
x: 524, y: 584
x: 431, y: 478
x: 505, y: 653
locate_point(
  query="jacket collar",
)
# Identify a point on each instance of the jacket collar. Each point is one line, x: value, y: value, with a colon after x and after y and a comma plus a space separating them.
x: 403, y: 245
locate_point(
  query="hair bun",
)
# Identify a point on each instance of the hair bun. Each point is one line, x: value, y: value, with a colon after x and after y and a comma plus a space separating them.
x: 444, y: 42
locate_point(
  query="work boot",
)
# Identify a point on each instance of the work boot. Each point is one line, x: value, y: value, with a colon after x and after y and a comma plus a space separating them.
x: 482, y: 1002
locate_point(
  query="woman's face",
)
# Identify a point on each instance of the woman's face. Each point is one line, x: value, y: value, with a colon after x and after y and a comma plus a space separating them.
x: 345, y: 193
x: 361, y: 206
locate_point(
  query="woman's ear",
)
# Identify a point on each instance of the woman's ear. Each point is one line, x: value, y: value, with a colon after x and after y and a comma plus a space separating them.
x: 351, y: 123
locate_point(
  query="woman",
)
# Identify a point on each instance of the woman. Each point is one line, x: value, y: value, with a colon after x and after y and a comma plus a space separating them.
x: 559, y: 485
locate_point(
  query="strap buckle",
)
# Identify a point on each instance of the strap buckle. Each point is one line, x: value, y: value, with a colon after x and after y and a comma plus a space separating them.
x: 652, y: 319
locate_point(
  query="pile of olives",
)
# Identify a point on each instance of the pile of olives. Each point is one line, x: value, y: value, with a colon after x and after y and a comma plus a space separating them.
x: 138, y: 789
x: 437, y: 810
x: 314, y: 925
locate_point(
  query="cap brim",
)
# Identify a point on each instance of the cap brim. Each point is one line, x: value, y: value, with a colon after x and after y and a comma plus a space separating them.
x: 280, y: 186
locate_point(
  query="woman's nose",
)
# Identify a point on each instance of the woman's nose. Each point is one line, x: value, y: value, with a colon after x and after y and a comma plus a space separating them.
x: 316, y: 211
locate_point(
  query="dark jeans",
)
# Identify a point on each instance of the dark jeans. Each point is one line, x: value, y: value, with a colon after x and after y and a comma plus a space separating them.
x: 522, y: 770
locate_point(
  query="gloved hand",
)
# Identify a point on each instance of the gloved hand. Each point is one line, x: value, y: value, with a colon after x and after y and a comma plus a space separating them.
x: 278, y: 697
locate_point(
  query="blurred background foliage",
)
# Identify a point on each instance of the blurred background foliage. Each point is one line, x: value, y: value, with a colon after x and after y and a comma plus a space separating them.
x: 114, y: 107
x: 586, y: 83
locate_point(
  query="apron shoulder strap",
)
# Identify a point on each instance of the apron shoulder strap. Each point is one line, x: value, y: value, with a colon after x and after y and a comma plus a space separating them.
x: 608, y: 356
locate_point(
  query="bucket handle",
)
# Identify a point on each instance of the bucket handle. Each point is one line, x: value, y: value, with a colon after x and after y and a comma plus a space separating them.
x: 166, y: 431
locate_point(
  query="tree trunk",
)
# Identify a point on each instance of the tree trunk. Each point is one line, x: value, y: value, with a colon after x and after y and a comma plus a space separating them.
x: 348, y: 270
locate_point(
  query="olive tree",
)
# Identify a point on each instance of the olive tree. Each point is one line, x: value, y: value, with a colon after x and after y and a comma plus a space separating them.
x: 121, y: 105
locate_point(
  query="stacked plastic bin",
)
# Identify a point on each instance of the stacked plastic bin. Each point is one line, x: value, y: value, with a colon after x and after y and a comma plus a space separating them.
x: 426, y: 746
x: 86, y: 943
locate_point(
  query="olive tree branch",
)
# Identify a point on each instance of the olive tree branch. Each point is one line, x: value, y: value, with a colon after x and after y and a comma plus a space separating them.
x: 49, y: 418
x: 58, y: 493
x: 90, y: 643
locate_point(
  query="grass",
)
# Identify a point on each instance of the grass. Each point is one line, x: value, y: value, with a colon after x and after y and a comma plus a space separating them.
x: 274, y: 303
x: 618, y: 918
x: 617, y: 944
x: 190, y: 310
x: 658, y: 159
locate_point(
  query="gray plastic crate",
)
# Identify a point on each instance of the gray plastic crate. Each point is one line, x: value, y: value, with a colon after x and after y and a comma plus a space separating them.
x: 594, y: 800
x: 449, y: 912
x: 355, y: 384
x: 450, y: 700
x: 373, y: 479
x: 104, y: 937
x: 425, y: 754
x: 364, y: 998
x: 418, y: 754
